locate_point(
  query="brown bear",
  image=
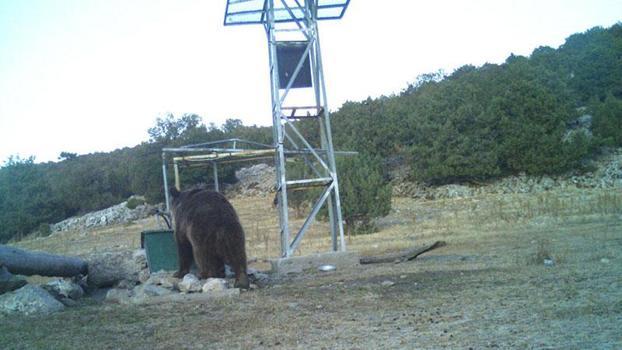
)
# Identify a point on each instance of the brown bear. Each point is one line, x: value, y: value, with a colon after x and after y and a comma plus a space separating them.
x: 208, y: 229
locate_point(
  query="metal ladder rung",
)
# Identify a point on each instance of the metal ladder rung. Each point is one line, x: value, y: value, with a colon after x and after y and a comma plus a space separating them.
x: 323, y: 181
x: 290, y: 30
x: 305, y: 112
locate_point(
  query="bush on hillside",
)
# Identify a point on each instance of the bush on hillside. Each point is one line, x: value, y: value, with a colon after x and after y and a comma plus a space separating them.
x: 607, y: 123
x: 365, y: 194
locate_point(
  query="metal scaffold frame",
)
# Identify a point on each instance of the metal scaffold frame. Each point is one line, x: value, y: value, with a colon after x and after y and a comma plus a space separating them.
x: 288, y: 22
x: 220, y: 152
x: 211, y: 153
x: 327, y: 172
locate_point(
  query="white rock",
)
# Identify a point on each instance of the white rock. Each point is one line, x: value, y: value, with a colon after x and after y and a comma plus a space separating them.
x: 387, y: 283
x: 143, y: 293
x: 190, y: 284
x: 144, y: 276
x: 214, y: 285
x: 29, y: 300
x: 140, y: 257
x: 164, y: 279
x: 125, y: 284
x: 119, y: 296
x: 60, y: 288
x: 108, y: 268
x: 152, y: 290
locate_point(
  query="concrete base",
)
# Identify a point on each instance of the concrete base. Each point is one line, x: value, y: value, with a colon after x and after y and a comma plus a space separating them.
x: 299, y: 264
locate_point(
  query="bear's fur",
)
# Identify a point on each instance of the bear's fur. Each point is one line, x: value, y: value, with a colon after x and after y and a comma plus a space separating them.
x: 208, y: 229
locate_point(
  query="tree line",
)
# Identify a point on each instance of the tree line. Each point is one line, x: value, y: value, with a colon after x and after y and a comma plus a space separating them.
x: 498, y: 119
x: 474, y: 124
x: 33, y: 195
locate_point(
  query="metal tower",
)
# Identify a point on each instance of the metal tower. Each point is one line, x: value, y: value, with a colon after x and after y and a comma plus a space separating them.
x: 298, y: 95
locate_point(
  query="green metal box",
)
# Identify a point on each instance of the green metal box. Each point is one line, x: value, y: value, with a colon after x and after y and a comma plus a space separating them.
x: 161, y: 250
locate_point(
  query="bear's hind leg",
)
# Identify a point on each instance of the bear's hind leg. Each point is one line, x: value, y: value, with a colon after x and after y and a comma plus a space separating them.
x: 215, y: 267
x: 238, y: 263
x: 184, y: 253
x: 219, y: 267
x: 241, y: 278
x: 236, y: 254
x: 207, y: 264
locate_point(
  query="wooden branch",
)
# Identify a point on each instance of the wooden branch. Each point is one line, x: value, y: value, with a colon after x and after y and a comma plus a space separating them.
x: 402, y: 256
x: 23, y: 262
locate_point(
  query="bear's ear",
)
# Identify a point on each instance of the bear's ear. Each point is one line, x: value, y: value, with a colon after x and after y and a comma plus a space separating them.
x: 174, y: 192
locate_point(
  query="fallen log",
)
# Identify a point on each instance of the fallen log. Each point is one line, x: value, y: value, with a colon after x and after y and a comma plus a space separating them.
x: 23, y: 262
x: 402, y: 256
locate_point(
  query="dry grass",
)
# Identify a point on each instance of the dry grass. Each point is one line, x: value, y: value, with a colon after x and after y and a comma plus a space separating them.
x: 409, y: 220
x: 488, y: 288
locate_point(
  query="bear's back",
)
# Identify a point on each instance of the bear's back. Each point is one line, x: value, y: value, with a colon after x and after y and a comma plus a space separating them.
x: 204, y: 207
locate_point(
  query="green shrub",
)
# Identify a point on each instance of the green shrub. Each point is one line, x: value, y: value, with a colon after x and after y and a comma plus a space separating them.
x: 134, y: 202
x: 364, y: 192
x: 44, y: 230
x: 607, y: 124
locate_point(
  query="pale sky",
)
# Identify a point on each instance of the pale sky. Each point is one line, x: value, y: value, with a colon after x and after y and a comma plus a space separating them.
x: 86, y: 76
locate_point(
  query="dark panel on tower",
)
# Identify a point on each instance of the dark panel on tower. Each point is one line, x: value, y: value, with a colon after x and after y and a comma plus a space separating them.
x: 288, y: 55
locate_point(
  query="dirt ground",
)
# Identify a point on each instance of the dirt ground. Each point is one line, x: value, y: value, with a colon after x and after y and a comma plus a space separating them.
x: 488, y: 288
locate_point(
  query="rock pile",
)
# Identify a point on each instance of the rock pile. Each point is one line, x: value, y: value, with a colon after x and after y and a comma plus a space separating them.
x: 162, y: 286
x: 152, y: 294
x: 608, y: 174
x: 256, y: 180
x: 260, y: 179
x: 28, y: 300
x: 48, y: 298
x: 124, y: 278
x: 64, y: 290
x: 118, y: 214
x: 132, y: 283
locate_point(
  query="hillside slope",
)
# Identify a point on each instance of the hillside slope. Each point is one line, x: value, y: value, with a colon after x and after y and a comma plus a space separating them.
x: 477, y: 124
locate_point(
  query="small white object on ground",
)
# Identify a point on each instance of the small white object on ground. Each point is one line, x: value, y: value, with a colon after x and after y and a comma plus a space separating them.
x: 327, y: 268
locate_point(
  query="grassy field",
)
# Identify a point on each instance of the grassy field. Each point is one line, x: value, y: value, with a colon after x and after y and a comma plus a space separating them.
x: 488, y: 288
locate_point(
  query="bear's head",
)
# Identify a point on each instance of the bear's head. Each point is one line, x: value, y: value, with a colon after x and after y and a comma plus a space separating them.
x: 178, y: 198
